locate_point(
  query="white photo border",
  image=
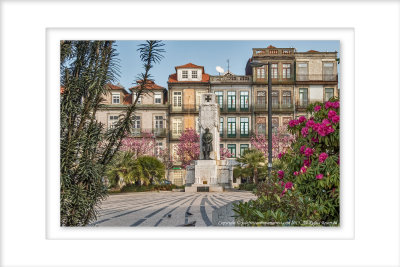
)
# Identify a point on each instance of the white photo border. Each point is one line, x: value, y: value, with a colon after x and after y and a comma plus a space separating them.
x: 346, y: 228
x: 24, y: 233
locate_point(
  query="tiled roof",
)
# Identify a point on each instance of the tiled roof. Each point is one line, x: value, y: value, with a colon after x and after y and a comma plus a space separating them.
x: 173, y: 79
x: 312, y: 51
x: 190, y: 66
x: 127, y: 99
x: 114, y: 87
x: 271, y: 46
x: 149, y: 85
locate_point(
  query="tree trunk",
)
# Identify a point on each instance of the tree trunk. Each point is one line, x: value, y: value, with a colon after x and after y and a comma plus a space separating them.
x: 255, y: 176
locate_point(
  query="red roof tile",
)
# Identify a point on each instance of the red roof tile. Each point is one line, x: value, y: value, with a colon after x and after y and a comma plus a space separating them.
x: 114, y: 87
x: 312, y: 51
x: 189, y: 66
x: 127, y: 99
x: 271, y: 46
x: 173, y: 79
x: 149, y: 85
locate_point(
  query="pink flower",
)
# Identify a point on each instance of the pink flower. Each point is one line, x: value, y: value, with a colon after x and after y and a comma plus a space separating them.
x: 293, y: 123
x: 283, y: 193
x: 282, y: 183
x: 303, y: 169
x: 336, y: 104
x: 288, y: 185
x: 315, y: 140
x: 302, y: 148
x: 328, y: 105
x: 308, y: 152
x: 326, y: 121
x: 319, y: 176
x: 310, y: 123
x: 281, y: 174
x: 331, y: 114
x: 296, y: 173
x: 335, y: 119
x: 280, y: 155
x: 322, y: 157
x: 304, y: 131
x: 307, y: 162
x: 315, y: 127
x: 302, y: 119
x: 317, y: 108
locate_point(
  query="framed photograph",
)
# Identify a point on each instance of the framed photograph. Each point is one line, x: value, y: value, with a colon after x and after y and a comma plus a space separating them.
x: 175, y: 137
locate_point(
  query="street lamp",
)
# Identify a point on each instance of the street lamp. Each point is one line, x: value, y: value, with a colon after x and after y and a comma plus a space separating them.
x: 260, y: 64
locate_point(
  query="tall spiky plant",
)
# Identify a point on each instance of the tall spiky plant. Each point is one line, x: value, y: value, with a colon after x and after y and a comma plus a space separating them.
x: 86, y: 147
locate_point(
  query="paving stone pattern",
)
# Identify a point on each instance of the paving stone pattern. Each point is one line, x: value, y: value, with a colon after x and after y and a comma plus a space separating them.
x: 158, y: 209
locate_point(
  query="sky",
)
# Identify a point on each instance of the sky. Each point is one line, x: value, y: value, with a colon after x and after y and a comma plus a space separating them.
x: 209, y: 54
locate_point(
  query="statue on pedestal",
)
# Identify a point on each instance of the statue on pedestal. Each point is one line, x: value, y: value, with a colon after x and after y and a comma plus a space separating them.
x: 207, y: 140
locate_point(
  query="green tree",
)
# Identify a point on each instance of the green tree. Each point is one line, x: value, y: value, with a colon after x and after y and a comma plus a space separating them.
x: 151, y: 169
x: 85, y: 146
x: 122, y: 167
x: 251, y: 161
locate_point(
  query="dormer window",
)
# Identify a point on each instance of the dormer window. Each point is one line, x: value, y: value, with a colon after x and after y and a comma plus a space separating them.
x: 194, y: 74
x: 185, y: 74
x: 134, y: 98
x: 157, y: 98
x: 115, y: 98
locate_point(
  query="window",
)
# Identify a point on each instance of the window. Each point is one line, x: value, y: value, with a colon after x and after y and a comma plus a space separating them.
x: 232, y: 150
x: 115, y: 98
x: 177, y: 126
x: 198, y: 98
x: 243, y: 148
x: 159, y: 122
x: 244, y: 127
x: 274, y: 71
x: 328, y: 71
x: 244, y: 100
x: 261, y: 128
x: 194, y: 74
x: 286, y: 71
x: 112, y: 120
x: 221, y: 126
x: 220, y: 99
x: 275, y: 123
x: 231, y: 100
x: 303, y: 95
x: 177, y: 99
x: 231, y: 127
x: 157, y: 98
x: 302, y: 71
x: 328, y: 94
x: 136, y: 125
x: 275, y: 99
x: 135, y: 96
x: 286, y: 99
x: 261, y: 73
x: 185, y: 74
x: 261, y: 99
x: 158, y: 148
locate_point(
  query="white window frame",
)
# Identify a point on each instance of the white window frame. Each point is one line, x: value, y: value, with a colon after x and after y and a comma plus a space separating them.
x: 177, y: 99
x: 157, y: 96
x: 117, y: 97
x: 185, y: 74
x: 112, y: 120
x: 194, y: 74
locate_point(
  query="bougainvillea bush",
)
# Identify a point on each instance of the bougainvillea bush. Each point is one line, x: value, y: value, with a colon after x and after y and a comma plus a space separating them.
x: 306, y: 190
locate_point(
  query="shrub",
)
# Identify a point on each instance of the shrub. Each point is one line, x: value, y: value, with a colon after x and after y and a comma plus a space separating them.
x: 307, y: 187
x: 247, y: 187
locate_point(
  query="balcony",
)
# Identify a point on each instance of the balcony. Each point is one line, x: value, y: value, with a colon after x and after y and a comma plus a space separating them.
x: 185, y: 108
x: 277, y: 79
x: 236, y: 109
x: 302, y: 104
x: 316, y: 78
x: 149, y: 132
x: 237, y: 135
x: 262, y: 107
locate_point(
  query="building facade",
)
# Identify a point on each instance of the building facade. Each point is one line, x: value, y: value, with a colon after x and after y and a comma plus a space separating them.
x: 185, y: 87
x: 298, y: 79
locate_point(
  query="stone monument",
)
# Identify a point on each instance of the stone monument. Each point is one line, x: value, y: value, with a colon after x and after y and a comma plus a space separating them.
x: 209, y: 173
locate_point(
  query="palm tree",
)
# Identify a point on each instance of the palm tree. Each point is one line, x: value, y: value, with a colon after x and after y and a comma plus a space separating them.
x: 252, y: 160
x: 151, y: 168
x: 123, y: 169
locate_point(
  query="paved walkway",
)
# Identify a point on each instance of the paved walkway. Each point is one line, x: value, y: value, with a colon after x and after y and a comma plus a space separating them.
x: 157, y: 209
